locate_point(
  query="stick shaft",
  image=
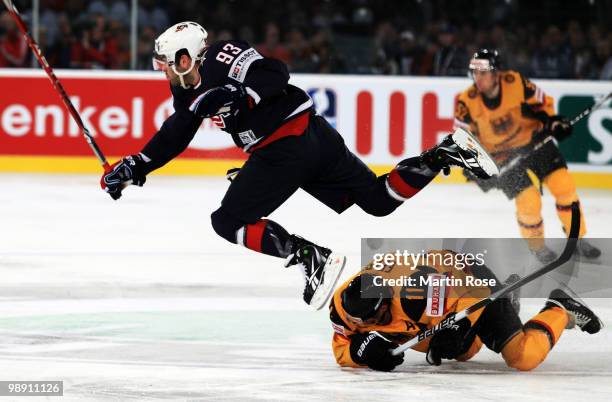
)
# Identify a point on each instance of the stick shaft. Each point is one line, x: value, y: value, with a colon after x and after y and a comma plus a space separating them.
x: 590, y: 109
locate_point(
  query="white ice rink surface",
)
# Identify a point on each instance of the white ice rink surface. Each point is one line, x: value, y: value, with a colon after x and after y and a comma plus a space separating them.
x: 139, y: 299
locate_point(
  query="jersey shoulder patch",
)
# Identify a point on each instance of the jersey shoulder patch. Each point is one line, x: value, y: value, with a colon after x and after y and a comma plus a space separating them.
x: 509, y: 78
x: 241, y: 64
x: 462, y: 113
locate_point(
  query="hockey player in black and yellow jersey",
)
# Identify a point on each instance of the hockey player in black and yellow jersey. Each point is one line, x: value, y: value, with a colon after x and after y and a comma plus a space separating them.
x: 370, y: 316
x: 507, y: 112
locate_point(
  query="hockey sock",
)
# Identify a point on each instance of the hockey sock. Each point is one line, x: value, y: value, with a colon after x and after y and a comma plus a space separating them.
x: 530, y: 347
x: 265, y: 236
x: 562, y: 187
x: 408, y: 178
x: 529, y: 217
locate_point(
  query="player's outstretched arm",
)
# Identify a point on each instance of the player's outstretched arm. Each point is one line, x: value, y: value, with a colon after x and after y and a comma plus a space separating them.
x: 172, y: 138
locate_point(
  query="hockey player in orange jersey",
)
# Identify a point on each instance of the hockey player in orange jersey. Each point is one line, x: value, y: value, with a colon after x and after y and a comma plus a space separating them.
x: 370, y: 316
x: 507, y: 112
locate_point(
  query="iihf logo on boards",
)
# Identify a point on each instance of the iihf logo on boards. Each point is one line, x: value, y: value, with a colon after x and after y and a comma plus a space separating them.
x: 325, y: 103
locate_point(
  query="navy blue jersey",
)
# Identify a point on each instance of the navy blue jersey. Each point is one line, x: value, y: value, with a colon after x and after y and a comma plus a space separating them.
x: 274, y: 102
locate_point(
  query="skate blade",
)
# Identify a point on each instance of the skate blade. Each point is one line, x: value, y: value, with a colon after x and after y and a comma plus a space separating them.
x: 333, y: 268
x: 467, y: 142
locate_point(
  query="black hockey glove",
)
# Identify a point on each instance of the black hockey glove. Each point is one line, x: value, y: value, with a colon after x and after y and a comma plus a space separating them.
x: 129, y: 170
x: 373, y: 350
x: 559, y: 127
x: 450, y: 342
x: 230, y: 97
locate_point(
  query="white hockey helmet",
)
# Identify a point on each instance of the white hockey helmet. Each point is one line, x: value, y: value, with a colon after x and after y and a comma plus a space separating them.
x: 187, y: 36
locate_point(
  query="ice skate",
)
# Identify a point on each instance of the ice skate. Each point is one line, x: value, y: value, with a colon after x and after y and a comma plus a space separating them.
x: 545, y: 255
x: 587, y: 250
x: 321, y: 269
x: 463, y: 150
x: 579, y: 314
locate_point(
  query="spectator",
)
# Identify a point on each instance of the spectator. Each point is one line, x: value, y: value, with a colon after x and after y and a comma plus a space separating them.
x: 553, y: 59
x: 387, y: 49
x: 410, y: 55
x: 519, y: 61
x: 149, y: 13
x: 450, y: 59
x: 300, y: 52
x: 366, y: 35
x: 584, y: 67
x: 94, y: 49
x: 121, y: 35
x: 427, y: 63
x: 64, y: 42
x: 271, y: 47
x: 604, y: 59
x: 323, y: 57
x: 144, y: 52
x: 120, y: 12
x: 97, y: 7
x: 13, y: 46
x: 49, y: 20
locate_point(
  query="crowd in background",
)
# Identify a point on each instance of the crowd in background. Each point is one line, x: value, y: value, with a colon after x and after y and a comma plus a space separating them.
x: 547, y: 39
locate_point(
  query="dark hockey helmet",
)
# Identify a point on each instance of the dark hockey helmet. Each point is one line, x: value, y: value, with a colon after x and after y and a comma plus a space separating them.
x: 485, y: 60
x: 363, y: 297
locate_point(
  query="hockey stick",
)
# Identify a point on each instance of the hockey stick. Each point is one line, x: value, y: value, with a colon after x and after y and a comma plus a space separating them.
x: 590, y: 109
x: 537, y: 145
x: 56, y: 83
x: 449, y: 321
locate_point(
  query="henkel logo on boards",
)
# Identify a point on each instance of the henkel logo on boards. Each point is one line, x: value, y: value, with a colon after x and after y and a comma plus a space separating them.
x: 121, y: 114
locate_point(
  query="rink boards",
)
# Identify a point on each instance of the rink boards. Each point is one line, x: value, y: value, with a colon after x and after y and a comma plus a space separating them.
x: 382, y: 120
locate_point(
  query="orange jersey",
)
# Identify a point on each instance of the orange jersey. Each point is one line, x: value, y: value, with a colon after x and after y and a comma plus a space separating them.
x: 503, y: 128
x: 413, y: 308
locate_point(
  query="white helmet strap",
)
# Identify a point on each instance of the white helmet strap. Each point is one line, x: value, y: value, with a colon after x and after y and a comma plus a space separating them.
x: 181, y: 75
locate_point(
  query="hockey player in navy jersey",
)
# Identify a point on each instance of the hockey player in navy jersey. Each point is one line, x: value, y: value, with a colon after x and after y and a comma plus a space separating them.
x: 289, y: 146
